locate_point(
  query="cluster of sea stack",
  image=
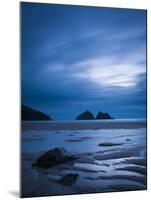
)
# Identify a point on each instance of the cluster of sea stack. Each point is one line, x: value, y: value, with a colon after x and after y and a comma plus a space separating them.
x: 29, y: 114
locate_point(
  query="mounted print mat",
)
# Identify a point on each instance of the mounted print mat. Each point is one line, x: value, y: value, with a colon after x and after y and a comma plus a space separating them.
x: 83, y: 104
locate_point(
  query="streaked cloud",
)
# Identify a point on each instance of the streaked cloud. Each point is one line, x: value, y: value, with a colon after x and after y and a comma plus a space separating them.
x: 114, y: 71
x: 82, y: 58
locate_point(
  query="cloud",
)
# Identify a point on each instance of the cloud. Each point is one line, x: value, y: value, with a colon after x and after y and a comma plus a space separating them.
x: 111, y: 72
x: 93, y: 59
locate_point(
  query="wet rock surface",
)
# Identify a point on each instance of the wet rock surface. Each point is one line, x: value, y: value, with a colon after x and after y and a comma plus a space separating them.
x: 54, y: 157
x: 68, y: 180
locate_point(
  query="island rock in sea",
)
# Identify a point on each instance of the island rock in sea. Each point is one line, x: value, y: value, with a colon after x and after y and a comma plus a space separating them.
x: 85, y: 116
x: 102, y: 115
x: 29, y: 114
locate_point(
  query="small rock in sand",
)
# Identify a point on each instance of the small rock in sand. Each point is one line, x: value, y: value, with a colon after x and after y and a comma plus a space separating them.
x: 68, y: 180
x: 109, y: 144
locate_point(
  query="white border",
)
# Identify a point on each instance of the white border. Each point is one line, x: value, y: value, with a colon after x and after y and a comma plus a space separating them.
x: 9, y: 98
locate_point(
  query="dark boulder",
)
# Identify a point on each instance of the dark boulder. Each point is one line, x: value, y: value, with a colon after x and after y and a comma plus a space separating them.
x: 85, y: 116
x: 68, y: 180
x: 29, y: 114
x: 102, y: 115
x: 54, y: 157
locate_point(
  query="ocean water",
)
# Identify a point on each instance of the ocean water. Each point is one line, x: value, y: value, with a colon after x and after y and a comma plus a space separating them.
x: 111, y: 157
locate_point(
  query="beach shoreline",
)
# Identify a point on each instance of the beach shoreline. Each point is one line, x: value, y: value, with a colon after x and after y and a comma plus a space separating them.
x: 114, y: 159
x: 82, y: 125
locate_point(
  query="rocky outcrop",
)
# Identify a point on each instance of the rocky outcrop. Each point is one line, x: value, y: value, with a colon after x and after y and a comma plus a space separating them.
x: 102, y: 115
x: 85, y: 116
x: 68, y: 180
x: 29, y: 114
x: 54, y: 157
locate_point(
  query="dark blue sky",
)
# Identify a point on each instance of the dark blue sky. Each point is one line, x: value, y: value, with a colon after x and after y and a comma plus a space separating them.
x: 77, y: 58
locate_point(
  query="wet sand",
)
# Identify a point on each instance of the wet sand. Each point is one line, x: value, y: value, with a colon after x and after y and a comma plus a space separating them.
x: 111, y: 156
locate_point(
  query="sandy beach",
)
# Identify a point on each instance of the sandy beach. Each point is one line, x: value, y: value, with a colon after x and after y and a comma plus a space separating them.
x: 111, y: 156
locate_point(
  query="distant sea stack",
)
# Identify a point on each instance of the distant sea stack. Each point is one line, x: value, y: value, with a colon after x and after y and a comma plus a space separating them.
x: 29, y: 114
x: 85, y: 116
x: 102, y: 115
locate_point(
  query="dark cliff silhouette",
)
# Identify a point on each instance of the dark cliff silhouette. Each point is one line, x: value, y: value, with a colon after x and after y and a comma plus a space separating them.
x: 102, y: 115
x: 85, y: 116
x: 29, y: 114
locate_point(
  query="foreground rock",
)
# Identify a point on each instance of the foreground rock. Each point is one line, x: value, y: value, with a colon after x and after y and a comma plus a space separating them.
x: 68, y: 180
x: 102, y: 115
x: 29, y: 114
x: 85, y: 116
x: 54, y: 157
